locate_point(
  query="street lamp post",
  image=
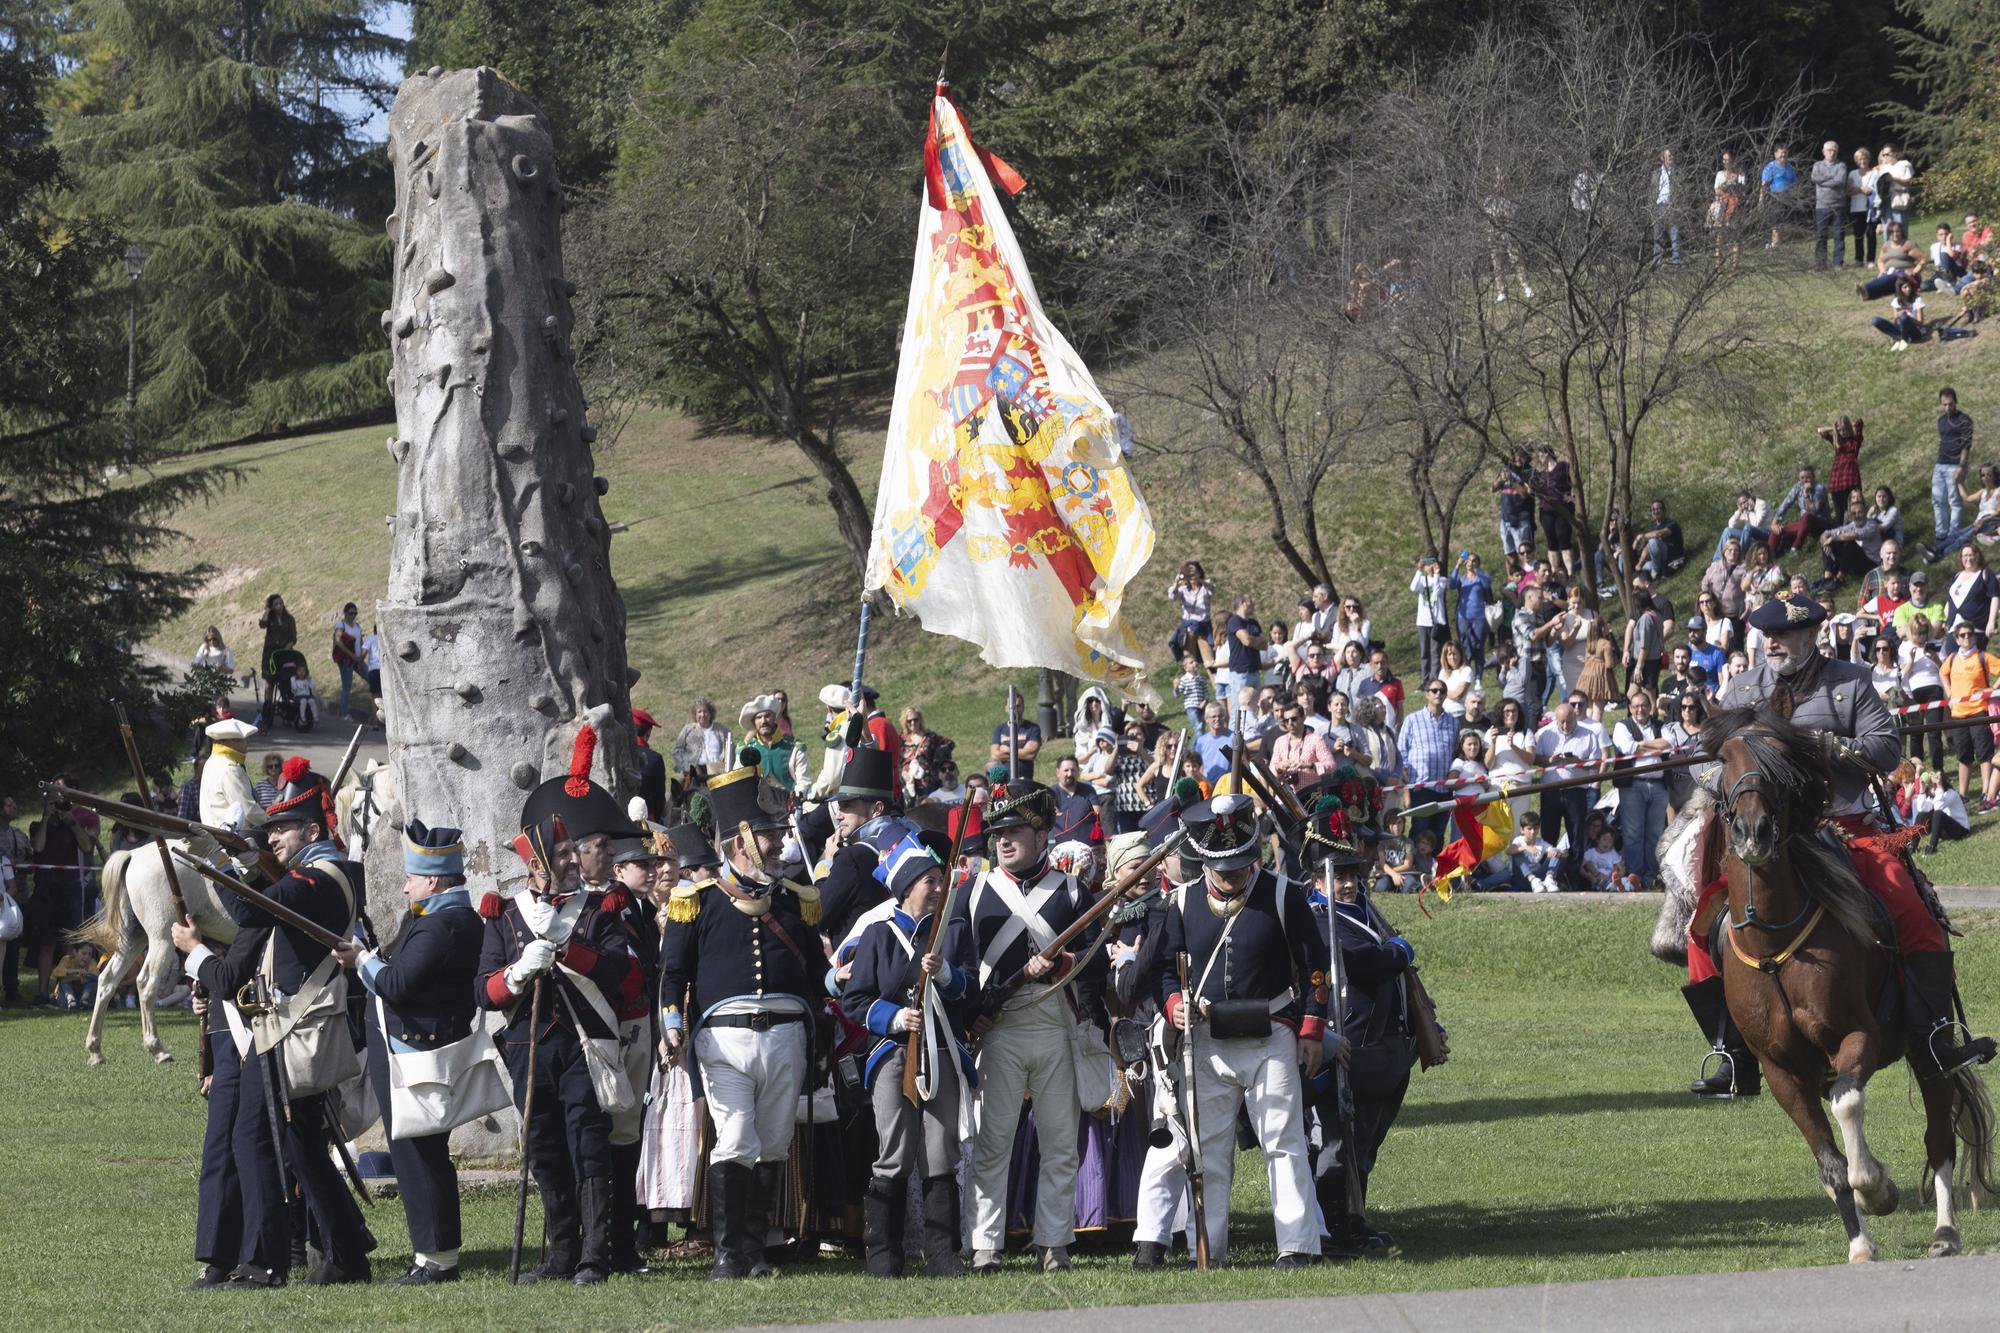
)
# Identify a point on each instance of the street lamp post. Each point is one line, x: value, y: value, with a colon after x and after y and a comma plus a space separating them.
x: 135, y: 264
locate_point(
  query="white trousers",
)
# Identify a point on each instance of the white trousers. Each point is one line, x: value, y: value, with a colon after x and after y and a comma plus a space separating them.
x: 1027, y: 1050
x: 1164, y: 1207
x: 1262, y: 1073
x: 753, y: 1081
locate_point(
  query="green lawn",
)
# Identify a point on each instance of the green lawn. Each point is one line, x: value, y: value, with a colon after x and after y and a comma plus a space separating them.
x: 1557, y: 1145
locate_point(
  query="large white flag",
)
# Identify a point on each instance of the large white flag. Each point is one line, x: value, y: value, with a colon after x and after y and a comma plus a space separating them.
x: 1006, y: 515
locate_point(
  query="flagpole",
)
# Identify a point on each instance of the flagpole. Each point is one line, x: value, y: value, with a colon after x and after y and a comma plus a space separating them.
x: 856, y: 715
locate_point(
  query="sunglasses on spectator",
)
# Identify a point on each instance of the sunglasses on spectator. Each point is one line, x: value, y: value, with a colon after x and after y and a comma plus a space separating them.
x: 1435, y: 689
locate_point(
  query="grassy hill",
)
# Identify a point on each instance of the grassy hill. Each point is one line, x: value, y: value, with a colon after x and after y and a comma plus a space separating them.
x: 734, y: 580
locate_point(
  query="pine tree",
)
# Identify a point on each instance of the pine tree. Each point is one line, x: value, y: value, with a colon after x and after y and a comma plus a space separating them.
x: 205, y: 129
x: 80, y: 516
x: 1953, y: 132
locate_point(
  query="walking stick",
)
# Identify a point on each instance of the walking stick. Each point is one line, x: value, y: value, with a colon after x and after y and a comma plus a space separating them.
x: 527, y: 1111
x: 205, y: 1061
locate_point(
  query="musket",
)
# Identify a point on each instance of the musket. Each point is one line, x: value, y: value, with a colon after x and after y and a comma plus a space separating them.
x: 160, y: 822
x: 339, y: 1141
x: 205, y: 1060
x: 284, y: 915
x: 994, y: 998
x: 1191, y: 1122
x: 913, y: 1045
x: 347, y: 760
x: 527, y: 1111
x: 1343, y: 1095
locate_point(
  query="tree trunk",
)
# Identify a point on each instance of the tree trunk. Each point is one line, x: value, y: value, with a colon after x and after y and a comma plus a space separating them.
x: 850, y: 511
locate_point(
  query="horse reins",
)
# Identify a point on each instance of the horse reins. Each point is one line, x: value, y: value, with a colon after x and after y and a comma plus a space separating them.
x: 1811, y: 914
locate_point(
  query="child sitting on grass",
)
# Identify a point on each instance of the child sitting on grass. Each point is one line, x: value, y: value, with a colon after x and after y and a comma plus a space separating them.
x: 1535, y: 862
x: 76, y: 976
x: 1604, y: 870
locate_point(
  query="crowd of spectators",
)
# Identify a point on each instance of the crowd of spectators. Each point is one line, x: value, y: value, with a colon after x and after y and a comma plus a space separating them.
x: 1515, y: 673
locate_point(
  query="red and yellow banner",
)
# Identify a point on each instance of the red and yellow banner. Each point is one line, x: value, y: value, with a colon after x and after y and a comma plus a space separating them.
x: 1006, y: 515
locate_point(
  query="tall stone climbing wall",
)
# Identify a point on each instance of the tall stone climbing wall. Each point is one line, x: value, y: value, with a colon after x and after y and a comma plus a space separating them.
x: 502, y: 629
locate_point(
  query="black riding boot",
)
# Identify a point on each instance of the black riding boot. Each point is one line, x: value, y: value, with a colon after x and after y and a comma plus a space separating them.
x: 884, y: 1210
x: 767, y: 1185
x: 594, y: 1263
x: 941, y: 1228
x: 559, y: 1236
x: 625, y: 1210
x: 728, y: 1213
x: 1933, y: 1022
x: 1735, y: 1069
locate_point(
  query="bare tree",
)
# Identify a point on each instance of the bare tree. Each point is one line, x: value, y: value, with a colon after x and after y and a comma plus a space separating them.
x: 1551, y: 136
x: 743, y: 266
x: 1246, y: 351
x: 1442, y: 374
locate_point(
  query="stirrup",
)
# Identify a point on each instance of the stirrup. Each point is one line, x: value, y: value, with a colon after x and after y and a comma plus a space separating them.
x: 1966, y: 1049
x: 1725, y: 1069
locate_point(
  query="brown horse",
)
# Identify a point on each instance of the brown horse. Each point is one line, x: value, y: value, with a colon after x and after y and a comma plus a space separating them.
x: 1805, y: 979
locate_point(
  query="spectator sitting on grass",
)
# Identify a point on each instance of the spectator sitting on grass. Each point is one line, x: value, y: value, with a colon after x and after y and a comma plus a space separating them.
x: 1947, y: 258
x: 1535, y: 862
x: 1905, y: 324
x: 1888, y: 563
x: 1604, y: 870
x: 1851, y: 549
x: 1985, y: 523
x: 1815, y: 508
x: 1899, y: 259
x: 1748, y: 524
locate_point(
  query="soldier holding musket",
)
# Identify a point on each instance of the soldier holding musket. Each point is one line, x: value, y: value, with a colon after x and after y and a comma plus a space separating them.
x: 557, y: 940
x: 290, y: 999
x: 893, y: 965
x: 1237, y: 979
x: 1015, y: 911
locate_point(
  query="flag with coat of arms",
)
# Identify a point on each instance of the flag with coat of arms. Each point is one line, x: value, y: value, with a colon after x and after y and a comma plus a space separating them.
x: 1006, y: 514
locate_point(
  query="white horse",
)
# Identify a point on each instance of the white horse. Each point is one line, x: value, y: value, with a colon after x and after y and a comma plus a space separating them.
x: 363, y: 805
x: 137, y: 921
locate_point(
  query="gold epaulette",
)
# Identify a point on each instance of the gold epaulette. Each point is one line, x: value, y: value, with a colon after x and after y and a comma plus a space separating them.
x: 808, y: 896
x: 685, y: 904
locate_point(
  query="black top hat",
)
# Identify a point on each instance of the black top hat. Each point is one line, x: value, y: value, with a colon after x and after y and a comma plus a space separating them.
x: 1222, y: 832
x: 743, y: 796
x: 870, y: 775
x: 583, y: 806
x: 691, y: 848
x: 1023, y: 804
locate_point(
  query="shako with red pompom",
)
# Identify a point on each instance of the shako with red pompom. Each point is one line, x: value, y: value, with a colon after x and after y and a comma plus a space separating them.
x: 583, y: 806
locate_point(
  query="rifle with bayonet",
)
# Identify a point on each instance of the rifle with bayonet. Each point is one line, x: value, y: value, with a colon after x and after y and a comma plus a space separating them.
x: 160, y: 822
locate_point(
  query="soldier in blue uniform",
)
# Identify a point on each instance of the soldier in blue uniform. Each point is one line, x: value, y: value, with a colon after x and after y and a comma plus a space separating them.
x: 743, y: 947
x: 423, y: 1001
x: 554, y: 931
x: 1255, y: 1016
x: 1379, y: 1050
x: 219, y: 1211
x: 297, y: 996
x: 891, y: 965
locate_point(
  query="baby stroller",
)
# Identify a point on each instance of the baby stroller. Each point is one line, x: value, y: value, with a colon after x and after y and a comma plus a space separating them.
x: 290, y: 694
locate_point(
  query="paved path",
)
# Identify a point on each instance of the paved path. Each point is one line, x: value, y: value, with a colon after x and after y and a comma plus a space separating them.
x: 1935, y: 1297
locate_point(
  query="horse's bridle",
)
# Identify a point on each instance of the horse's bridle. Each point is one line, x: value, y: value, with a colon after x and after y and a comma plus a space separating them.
x: 1754, y: 782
